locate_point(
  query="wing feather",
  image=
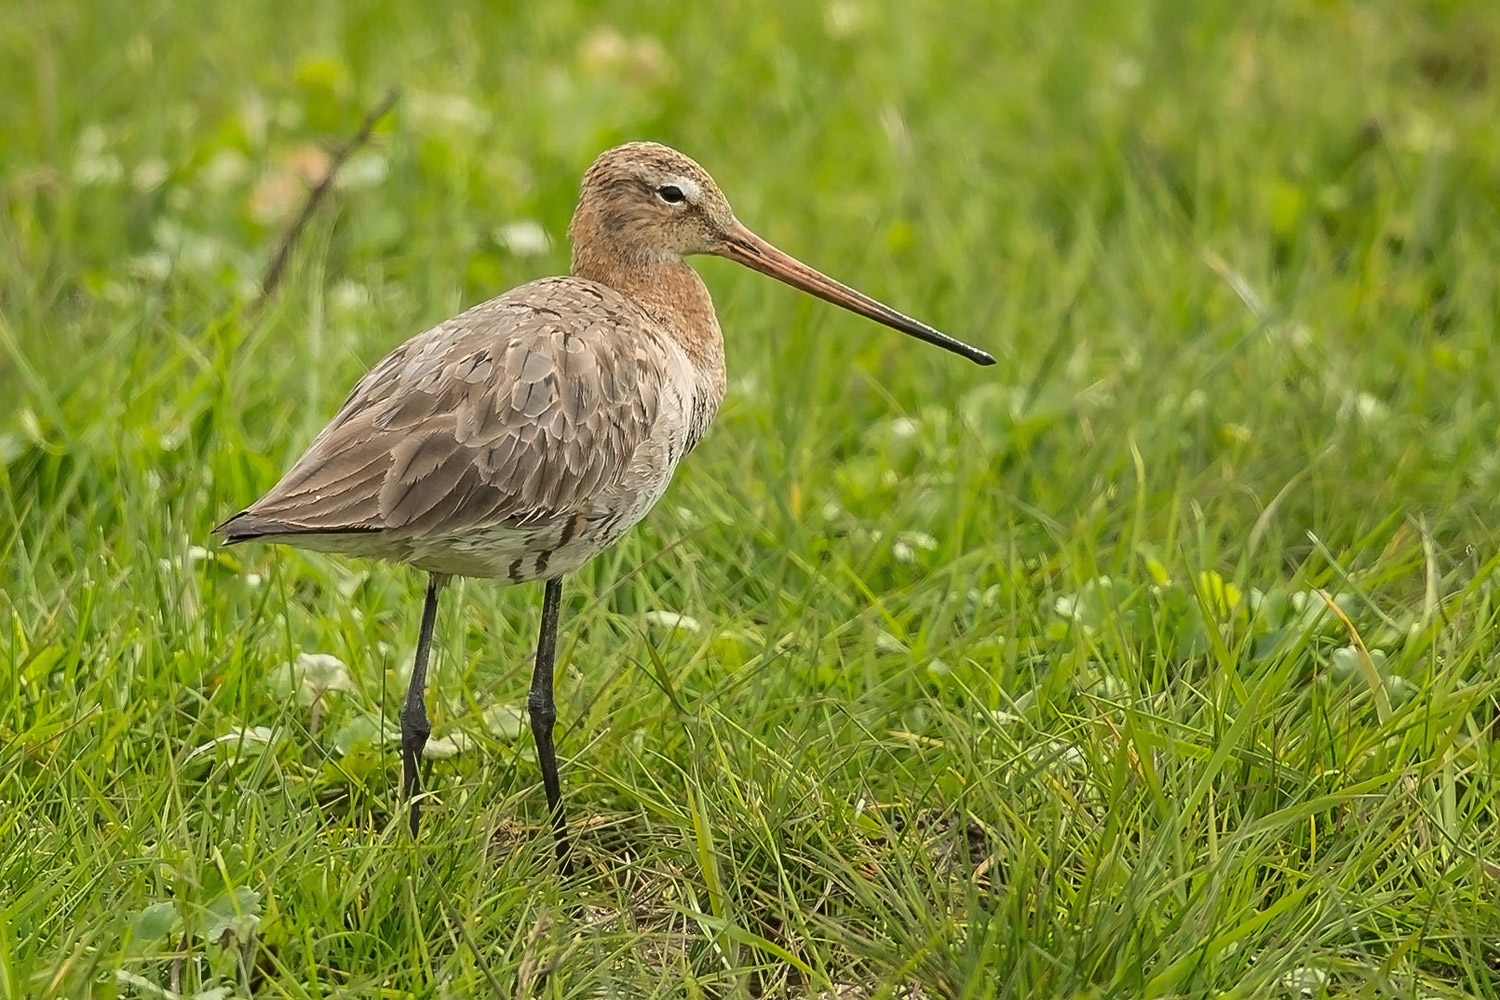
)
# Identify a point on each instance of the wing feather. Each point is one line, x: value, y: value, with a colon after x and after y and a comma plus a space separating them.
x: 523, y: 408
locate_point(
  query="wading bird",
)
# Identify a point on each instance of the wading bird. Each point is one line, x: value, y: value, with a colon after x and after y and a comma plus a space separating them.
x: 522, y: 437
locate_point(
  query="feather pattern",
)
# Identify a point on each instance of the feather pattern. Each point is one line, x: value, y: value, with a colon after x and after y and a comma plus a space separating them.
x: 516, y: 439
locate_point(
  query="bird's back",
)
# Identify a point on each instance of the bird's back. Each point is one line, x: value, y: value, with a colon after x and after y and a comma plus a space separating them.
x: 515, y: 440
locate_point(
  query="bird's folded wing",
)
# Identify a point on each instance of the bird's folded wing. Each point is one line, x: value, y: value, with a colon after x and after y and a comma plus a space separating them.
x: 519, y: 410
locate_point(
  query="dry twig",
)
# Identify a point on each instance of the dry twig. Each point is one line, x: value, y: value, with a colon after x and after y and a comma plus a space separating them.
x: 276, y: 269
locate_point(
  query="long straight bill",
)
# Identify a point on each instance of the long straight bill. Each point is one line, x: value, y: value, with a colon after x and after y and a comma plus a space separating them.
x: 744, y: 247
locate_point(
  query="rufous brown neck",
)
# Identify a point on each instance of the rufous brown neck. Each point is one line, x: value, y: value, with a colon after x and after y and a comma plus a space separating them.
x: 668, y: 290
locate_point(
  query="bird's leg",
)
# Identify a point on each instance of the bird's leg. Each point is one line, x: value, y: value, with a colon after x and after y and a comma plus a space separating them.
x: 543, y: 711
x: 415, y: 728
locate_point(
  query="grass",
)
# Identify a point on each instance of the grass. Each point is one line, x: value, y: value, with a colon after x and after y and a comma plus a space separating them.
x: 1157, y: 661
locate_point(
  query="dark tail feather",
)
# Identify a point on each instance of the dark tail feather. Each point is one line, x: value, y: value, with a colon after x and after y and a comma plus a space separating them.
x: 247, y: 526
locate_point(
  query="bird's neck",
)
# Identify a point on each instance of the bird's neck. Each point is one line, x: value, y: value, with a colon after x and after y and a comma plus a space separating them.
x: 672, y: 295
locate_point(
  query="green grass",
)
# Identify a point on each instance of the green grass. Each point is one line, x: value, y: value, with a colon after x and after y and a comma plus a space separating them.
x: 1016, y: 682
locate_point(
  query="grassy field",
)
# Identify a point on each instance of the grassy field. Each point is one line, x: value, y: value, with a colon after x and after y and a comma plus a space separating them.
x: 1157, y: 661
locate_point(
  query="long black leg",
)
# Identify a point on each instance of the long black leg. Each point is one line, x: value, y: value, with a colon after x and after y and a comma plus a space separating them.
x: 414, y: 725
x: 543, y: 712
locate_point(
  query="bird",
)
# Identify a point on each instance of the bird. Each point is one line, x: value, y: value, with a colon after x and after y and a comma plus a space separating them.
x: 522, y: 437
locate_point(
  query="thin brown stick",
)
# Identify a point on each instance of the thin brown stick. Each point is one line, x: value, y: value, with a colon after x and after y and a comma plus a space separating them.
x: 174, y: 978
x: 276, y: 269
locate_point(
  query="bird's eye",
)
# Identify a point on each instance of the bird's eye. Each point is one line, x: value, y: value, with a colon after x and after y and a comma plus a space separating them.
x: 671, y: 194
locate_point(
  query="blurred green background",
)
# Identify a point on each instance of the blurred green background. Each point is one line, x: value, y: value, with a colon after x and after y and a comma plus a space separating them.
x: 1156, y: 661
